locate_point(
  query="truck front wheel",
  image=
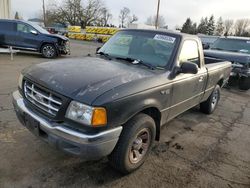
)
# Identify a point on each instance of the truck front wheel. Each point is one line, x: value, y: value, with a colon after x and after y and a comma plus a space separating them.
x: 48, y: 51
x: 134, y: 144
x: 211, y: 103
x: 244, y: 83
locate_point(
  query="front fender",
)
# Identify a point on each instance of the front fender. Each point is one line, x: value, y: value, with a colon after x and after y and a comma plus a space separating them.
x: 122, y: 110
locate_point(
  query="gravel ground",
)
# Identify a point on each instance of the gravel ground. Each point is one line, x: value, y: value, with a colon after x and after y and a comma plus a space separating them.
x: 195, y: 150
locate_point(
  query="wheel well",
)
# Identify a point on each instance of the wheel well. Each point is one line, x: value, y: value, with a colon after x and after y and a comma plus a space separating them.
x: 156, y: 115
x: 220, y: 82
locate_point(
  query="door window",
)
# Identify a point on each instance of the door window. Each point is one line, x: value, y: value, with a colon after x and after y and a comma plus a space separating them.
x: 190, y: 52
x: 7, y: 26
x: 24, y: 28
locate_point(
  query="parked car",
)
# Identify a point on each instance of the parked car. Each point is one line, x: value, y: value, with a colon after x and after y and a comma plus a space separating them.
x: 57, y: 28
x: 30, y: 37
x: 114, y: 104
x: 237, y: 51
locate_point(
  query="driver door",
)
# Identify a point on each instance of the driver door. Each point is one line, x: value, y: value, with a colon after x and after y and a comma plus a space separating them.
x: 188, y: 88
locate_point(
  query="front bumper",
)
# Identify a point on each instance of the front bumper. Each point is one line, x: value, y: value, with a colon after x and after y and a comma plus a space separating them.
x: 65, y: 48
x: 89, y: 146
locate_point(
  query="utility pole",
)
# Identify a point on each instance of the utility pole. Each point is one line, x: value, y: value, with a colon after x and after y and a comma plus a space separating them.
x: 44, y: 14
x: 157, y: 15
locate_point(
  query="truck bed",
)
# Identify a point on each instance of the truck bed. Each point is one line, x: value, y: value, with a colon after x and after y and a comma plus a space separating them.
x: 216, y: 69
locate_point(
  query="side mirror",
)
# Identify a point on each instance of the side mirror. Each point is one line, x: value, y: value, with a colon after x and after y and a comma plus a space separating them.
x: 33, y: 32
x: 188, y: 68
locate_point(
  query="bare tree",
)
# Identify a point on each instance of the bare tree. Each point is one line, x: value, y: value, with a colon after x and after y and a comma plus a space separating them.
x: 241, y: 26
x: 152, y: 19
x: 92, y: 12
x: 79, y: 12
x: 105, y: 17
x: 228, y: 25
x: 133, y: 19
x: 124, y: 15
x: 69, y: 12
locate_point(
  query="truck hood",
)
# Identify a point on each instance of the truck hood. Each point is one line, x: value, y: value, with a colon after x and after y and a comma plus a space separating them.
x: 84, y: 79
x: 228, y: 56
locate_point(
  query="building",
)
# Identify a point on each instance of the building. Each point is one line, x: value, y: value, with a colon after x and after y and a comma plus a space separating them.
x: 5, y: 9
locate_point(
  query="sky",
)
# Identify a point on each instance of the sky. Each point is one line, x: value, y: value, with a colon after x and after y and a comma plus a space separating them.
x: 175, y: 12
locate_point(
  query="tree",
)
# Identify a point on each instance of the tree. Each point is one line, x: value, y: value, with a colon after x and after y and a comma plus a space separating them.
x: 69, y: 12
x: 241, y: 26
x: 211, y: 26
x: 152, y: 21
x: 124, y: 15
x: 105, y: 17
x: 92, y: 12
x: 202, y: 27
x: 78, y: 12
x: 189, y: 27
x: 17, y: 16
x: 219, y: 27
x: 133, y: 19
x: 228, y: 24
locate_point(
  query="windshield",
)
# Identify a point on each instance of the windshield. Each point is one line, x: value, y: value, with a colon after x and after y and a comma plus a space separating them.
x: 39, y: 28
x: 148, y: 47
x: 234, y: 45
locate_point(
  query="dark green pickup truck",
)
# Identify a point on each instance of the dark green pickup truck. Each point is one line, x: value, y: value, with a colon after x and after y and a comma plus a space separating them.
x: 237, y: 51
x: 114, y: 103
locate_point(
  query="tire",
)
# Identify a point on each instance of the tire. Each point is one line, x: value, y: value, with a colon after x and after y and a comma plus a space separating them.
x: 211, y: 103
x: 244, y: 83
x: 48, y: 51
x: 231, y: 81
x: 130, y: 152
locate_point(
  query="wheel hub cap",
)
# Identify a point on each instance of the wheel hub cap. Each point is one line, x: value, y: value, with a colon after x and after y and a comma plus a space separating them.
x: 140, y: 146
x: 215, y: 99
x: 48, y: 51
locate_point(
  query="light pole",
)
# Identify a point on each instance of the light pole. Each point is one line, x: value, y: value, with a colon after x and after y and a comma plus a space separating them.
x: 44, y: 14
x: 157, y: 15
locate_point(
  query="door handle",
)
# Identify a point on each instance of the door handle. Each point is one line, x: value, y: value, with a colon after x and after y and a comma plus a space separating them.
x: 201, y: 79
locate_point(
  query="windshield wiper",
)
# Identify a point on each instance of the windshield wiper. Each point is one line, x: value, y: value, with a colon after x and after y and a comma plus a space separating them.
x: 105, y: 55
x: 136, y: 61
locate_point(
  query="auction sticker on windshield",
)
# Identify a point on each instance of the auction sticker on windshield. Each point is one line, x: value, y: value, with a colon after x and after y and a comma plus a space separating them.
x: 165, y: 38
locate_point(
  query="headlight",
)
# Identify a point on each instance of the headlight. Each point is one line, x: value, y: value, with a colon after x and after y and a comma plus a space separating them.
x: 87, y: 115
x: 20, y: 81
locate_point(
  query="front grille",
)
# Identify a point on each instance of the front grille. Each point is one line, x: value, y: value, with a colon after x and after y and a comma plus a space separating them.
x: 43, y: 99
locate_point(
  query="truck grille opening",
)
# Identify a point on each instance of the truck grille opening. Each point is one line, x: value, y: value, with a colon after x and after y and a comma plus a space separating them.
x: 41, y: 98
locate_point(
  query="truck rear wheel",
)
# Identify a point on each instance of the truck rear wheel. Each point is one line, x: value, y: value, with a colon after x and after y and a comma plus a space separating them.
x: 244, y: 83
x: 134, y: 144
x: 211, y: 103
